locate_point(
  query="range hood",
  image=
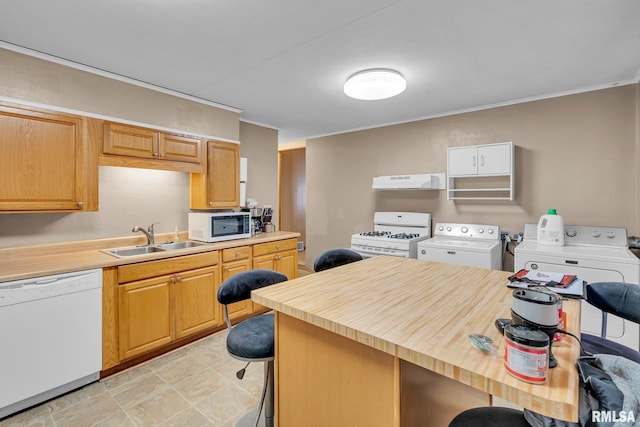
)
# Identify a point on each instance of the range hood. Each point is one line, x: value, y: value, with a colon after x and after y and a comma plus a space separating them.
x: 428, y: 181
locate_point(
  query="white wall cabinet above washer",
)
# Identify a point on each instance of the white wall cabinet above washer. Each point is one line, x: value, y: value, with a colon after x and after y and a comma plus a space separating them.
x: 481, y: 161
x: 494, y: 159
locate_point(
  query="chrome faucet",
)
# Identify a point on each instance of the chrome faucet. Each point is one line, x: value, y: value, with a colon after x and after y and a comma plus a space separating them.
x: 148, y: 233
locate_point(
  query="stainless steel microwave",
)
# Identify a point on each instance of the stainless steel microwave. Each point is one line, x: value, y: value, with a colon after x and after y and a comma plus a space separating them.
x: 219, y: 226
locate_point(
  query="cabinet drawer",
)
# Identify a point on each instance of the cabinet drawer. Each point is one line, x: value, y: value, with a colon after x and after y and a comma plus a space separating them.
x: 143, y: 270
x: 232, y: 254
x: 277, y: 246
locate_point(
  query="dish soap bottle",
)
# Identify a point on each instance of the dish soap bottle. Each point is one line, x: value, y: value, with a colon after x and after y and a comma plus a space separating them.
x: 551, y: 229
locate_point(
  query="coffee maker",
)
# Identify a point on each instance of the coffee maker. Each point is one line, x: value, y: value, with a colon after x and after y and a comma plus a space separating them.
x: 538, y: 308
x: 256, y: 220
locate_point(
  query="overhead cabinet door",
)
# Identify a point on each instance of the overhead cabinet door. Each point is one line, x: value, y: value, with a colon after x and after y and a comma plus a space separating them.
x: 41, y: 160
x: 463, y: 161
x: 125, y: 140
x: 494, y: 159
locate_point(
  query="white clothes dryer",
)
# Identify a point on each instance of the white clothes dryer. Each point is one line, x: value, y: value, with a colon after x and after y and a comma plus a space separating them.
x: 595, y: 254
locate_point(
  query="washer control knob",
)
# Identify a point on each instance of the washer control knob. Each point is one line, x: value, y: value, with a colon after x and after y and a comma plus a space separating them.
x: 440, y: 228
x: 481, y: 230
x: 595, y: 233
x: 571, y: 232
x: 448, y: 228
x: 464, y: 229
x: 490, y: 231
x: 611, y: 234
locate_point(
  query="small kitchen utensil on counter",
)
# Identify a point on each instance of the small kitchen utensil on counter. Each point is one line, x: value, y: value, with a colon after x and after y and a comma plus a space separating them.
x: 267, y: 214
x: 484, y: 344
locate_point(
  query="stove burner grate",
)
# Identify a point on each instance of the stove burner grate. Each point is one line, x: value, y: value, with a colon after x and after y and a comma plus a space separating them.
x: 375, y: 233
x: 403, y: 236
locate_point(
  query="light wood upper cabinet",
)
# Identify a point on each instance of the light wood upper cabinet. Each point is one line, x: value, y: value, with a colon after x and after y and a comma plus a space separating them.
x: 125, y: 140
x: 48, y: 161
x: 220, y: 186
x: 133, y: 146
x: 180, y: 148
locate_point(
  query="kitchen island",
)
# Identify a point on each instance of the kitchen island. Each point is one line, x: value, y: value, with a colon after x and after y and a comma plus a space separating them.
x: 384, y: 342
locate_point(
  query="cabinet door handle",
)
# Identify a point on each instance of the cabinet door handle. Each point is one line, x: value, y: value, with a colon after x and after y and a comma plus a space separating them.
x: 277, y: 247
x: 80, y: 204
x: 237, y: 254
x: 481, y: 160
x: 226, y: 269
x: 156, y: 154
x: 277, y: 258
x: 179, y: 279
x: 173, y: 280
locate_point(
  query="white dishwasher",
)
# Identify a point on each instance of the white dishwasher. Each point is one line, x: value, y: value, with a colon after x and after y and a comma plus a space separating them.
x: 51, y: 337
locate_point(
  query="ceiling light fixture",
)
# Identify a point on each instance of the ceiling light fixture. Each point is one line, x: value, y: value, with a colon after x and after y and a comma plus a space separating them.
x: 375, y: 84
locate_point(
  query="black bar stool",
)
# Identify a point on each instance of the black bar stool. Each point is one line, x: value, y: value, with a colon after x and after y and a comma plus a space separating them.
x: 335, y: 258
x: 252, y: 339
x: 492, y: 416
x: 619, y: 299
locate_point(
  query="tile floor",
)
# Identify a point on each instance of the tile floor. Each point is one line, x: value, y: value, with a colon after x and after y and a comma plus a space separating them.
x: 192, y: 386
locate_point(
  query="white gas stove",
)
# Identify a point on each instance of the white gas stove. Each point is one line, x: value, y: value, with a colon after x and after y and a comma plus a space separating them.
x: 394, y: 233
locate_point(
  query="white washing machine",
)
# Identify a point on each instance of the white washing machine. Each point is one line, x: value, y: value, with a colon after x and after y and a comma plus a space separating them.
x: 595, y: 254
x: 476, y: 245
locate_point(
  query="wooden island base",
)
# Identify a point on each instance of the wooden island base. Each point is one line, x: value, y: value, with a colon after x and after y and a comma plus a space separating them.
x: 326, y: 379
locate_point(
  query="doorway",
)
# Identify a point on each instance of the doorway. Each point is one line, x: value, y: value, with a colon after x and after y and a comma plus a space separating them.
x: 292, y: 197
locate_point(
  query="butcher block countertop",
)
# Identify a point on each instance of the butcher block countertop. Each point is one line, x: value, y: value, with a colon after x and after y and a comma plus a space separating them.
x: 41, y: 260
x: 422, y: 312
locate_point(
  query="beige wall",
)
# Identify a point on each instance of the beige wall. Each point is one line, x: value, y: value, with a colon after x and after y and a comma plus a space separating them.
x: 27, y: 78
x: 578, y: 154
x: 260, y: 147
x: 128, y: 196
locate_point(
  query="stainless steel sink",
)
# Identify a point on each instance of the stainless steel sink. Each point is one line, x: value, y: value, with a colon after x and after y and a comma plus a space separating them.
x: 149, y: 249
x: 138, y: 250
x: 181, y: 245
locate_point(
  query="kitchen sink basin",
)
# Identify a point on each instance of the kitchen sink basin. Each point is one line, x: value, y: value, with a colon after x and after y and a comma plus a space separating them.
x: 182, y: 245
x: 150, y: 249
x: 138, y: 250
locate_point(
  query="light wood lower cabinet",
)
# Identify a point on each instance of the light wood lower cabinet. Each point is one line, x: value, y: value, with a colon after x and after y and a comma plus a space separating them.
x: 146, y: 316
x: 234, y: 261
x: 195, y: 297
x: 148, y: 306
x: 155, y: 311
x: 281, y: 255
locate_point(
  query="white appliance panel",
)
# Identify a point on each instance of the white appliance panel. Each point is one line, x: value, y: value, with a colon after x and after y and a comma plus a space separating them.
x: 51, y: 337
x: 452, y: 256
